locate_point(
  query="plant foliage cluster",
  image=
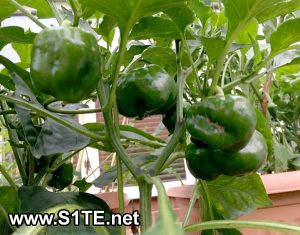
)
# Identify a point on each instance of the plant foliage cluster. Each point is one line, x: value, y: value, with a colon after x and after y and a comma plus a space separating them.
x: 186, y: 49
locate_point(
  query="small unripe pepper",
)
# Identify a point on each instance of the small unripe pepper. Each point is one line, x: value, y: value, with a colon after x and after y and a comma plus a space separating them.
x: 145, y: 91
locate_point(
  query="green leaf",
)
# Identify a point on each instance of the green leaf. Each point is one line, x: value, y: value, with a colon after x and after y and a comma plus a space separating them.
x: 237, y: 46
x: 42, y: 7
x: 16, y: 34
x: 241, y: 12
x: 162, y: 56
x: 50, y: 137
x: 290, y: 68
x: 32, y: 196
x: 211, y: 211
x: 257, y: 53
x: 244, y: 37
x: 167, y: 219
x: 232, y: 197
x: 127, y: 13
x: 202, y: 11
x: 279, y: 8
x: 215, y: 25
x: 10, y: 203
x: 106, y: 27
x: 236, y: 11
x: 110, y: 175
x: 14, y: 68
x: 24, y: 52
x: 136, y: 134
x: 107, y: 177
x: 87, y: 12
x: 2, y: 44
x: 154, y: 27
x: 7, y: 82
x: 181, y: 15
x: 282, y: 155
x: 213, y: 46
x: 285, y: 36
x: 6, y: 9
x: 133, y: 51
x: 263, y: 127
x: 296, y: 161
x: 131, y: 133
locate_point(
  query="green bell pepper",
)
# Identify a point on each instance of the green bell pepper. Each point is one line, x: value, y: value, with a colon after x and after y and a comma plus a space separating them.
x: 145, y: 91
x: 226, y: 122
x: 65, y: 63
x: 208, y: 163
x: 61, y: 177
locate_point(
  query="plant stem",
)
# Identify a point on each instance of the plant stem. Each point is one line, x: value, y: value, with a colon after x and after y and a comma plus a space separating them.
x: 192, y: 202
x: 145, y: 204
x: 110, y: 102
x: 112, y: 135
x: 248, y: 79
x: 55, y: 11
x: 256, y: 92
x: 179, y: 128
x: 185, y: 44
x: 64, y: 160
x: 272, y: 55
x: 218, y: 69
x: 180, y: 84
x: 31, y: 169
x: 256, y: 76
x: 205, y: 199
x: 205, y: 204
x: 227, y: 224
x: 160, y: 162
x: 8, y: 178
x: 122, y: 49
x: 120, y: 192
x: 26, y: 13
x: 225, y: 69
x: 5, y: 216
x: 40, y: 175
x: 13, y: 68
x: 75, y: 12
x: 7, y: 112
x: 173, y: 157
x: 227, y: 46
x: 13, y: 136
x: 66, y: 111
x: 56, y: 118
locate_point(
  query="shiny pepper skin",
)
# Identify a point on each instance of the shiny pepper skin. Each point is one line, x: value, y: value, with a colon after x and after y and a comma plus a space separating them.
x: 61, y: 177
x: 169, y: 118
x: 207, y: 163
x: 226, y: 122
x: 200, y: 163
x: 145, y: 91
x: 65, y: 63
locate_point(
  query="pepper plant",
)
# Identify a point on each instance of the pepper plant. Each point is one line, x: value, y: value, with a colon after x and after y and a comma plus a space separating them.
x: 217, y: 72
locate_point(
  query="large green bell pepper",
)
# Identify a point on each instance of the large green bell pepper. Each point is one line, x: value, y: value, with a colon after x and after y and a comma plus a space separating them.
x: 208, y: 163
x: 65, y: 63
x: 226, y: 122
